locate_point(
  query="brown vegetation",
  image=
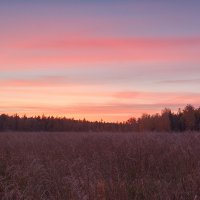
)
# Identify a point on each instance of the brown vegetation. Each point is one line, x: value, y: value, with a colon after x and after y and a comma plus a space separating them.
x: 99, y: 166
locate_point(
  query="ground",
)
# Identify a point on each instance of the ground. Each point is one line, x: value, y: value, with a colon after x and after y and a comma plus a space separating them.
x: 99, y: 166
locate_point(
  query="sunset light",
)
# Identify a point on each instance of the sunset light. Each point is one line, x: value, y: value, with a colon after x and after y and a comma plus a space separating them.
x: 107, y: 60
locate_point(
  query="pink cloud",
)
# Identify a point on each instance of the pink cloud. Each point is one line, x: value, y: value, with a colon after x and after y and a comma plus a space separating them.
x: 112, y: 43
x: 31, y: 61
x: 161, y: 98
x: 38, y: 82
x: 85, y: 51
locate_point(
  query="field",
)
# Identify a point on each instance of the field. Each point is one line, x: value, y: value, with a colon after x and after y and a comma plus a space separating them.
x: 102, y: 166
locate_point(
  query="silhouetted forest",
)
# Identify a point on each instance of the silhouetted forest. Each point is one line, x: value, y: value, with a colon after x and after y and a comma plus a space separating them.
x: 187, y: 119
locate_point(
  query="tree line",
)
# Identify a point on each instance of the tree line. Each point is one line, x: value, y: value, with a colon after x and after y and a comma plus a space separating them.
x: 187, y: 119
x: 43, y: 123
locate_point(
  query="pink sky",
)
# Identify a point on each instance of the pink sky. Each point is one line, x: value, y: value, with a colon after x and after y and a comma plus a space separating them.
x: 98, y: 61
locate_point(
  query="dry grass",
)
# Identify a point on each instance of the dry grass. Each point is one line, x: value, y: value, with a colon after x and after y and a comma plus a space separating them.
x: 83, y: 166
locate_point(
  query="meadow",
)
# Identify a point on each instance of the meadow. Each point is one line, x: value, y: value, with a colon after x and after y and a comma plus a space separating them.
x: 95, y: 165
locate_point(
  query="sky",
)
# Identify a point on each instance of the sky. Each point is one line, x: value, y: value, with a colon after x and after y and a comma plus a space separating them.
x: 108, y: 60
